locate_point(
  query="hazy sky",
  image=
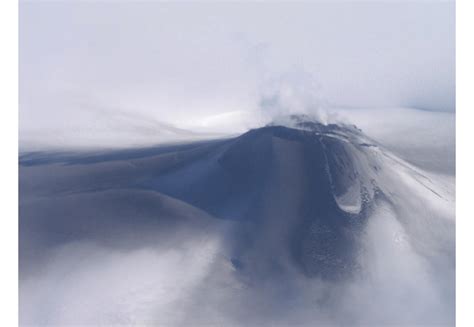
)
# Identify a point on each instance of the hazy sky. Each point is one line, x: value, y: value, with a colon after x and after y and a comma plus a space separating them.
x: 180, y: 63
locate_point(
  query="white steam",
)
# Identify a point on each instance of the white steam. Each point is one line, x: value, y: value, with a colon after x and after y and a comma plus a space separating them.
x: 292, y: 93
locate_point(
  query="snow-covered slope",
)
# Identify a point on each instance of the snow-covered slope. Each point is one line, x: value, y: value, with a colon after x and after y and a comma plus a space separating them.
x: 294, y: 222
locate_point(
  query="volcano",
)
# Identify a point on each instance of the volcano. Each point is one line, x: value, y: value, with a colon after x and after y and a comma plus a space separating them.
x: 284, y: 199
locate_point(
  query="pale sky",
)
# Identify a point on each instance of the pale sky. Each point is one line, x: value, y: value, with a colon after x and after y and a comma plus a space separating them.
x: 182, y: 63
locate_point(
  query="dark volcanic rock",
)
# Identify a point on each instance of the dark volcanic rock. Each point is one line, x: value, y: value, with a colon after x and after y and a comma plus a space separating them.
x: 294, y: 196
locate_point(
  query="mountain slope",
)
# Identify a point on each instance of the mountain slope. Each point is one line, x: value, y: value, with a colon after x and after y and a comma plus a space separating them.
x: 282, y: 200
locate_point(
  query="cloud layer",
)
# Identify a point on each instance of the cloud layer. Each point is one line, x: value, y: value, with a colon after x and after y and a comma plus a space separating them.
x: 83, y: 64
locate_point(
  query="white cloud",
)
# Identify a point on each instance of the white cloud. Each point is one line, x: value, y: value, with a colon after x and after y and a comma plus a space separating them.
x: 184, y: 63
